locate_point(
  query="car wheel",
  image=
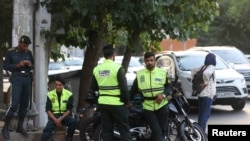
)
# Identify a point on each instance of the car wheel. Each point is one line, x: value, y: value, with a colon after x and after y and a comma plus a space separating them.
x: 239, y: 105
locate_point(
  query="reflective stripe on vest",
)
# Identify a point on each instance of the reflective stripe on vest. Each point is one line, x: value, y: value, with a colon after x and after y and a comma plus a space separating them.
x: 56, y: 108
x: 151, y: 83
x: 106, y: 77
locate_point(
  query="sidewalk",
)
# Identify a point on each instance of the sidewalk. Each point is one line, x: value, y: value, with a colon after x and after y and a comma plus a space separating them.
x: 34, y: 135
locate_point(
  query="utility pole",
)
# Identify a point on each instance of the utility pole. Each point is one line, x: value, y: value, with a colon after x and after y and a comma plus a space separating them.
x: 42, y: 23
x: 22, y: 20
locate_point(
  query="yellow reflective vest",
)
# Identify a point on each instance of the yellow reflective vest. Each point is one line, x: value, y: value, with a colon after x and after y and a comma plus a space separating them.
x: 56, y: 107
x: 106, y: 77
x: 151, y: 83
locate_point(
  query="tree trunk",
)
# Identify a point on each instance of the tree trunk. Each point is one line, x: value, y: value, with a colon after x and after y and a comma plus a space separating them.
x: 92, y: 55
x: 134, y: 42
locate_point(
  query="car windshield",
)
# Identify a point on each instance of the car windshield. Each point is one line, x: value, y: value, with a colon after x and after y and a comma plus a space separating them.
x: 188, y: 62
x: 232, y: 56
x: 133, y: 61
x: 56, y: 66
x: 73, y: 62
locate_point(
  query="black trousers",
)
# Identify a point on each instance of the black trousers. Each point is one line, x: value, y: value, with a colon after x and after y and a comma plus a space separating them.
x: 158, y: 121
x: 117, y: 115
x: 68, y: 121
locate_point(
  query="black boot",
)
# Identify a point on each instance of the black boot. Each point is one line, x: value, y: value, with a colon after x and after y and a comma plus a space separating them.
x: 70, y: 134
x: 5, y: 130
x: 44, y: 138
x: 20, y: 128
x: 68, y: 138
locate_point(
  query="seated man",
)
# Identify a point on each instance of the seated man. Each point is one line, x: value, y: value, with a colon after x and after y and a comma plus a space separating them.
x: 59, y: 107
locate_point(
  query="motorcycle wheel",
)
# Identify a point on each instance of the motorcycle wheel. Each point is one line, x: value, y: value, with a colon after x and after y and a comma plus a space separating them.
x: 194, y: 135
x: 98, y: 135
x: 172, y: 133
x: 86, y: 129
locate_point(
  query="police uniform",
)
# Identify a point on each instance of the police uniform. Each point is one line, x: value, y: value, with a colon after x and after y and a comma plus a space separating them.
x: 109, y: 80
x: 21, y: 84
x: 58, y: 104
x: 150, y: 84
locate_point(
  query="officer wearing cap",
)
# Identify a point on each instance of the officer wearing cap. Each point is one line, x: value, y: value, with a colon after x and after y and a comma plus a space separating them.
x: 109, y: 80
x: 19, y: 61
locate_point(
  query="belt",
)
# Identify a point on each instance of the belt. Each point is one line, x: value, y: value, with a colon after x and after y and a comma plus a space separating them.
x: 22, y: 73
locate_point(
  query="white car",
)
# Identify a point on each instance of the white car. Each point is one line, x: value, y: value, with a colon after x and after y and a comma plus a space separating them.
x: 230, y: 85
x: 57, y: 68
x: 248, y: 57
x: 134, y: 66
x: 73, y: 63
x: 232, y: 55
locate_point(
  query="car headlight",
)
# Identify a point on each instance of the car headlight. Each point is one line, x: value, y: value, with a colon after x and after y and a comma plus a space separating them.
x: 242, y: 80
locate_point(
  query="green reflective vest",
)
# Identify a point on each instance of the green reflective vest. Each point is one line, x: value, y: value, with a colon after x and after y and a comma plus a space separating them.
x: 59, y: 107
x: 151, y: 83
x: 106, y: 77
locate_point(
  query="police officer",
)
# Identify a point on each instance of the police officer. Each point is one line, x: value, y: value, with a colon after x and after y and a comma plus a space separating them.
x: 152, y: 83
x: 19, y: 61
x: 59, y: 108
x: 109, y: 79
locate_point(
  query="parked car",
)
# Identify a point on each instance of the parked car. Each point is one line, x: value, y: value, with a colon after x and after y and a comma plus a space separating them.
x: 230, y: 85
x: 73, y: 63
x: 130, y: 76
x: 134, y: 66
x: 57, y: 68
x: 234, y: 57
x: 248, y: 57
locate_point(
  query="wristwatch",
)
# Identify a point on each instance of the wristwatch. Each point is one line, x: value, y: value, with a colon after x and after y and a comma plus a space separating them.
x: 164, y: 95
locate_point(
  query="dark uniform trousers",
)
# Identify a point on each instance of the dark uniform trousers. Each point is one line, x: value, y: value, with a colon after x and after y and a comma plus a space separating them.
x: 21, y: 86
x: 158, y: 122
x: 119, y: 115
x: 68, y: 121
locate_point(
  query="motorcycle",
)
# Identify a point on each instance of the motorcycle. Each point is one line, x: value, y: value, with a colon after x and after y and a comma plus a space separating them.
x: 180, y: 126
x: 187, y: 129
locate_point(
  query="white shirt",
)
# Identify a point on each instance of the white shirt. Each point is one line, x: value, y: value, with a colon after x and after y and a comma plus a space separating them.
x: 210, y: 89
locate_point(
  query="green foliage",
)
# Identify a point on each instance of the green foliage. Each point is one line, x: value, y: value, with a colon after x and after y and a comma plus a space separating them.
x: 231, y: 27
x: 6, y: 24
x: 180, y: 19
x: 239, y: 11
x: 55, y: 53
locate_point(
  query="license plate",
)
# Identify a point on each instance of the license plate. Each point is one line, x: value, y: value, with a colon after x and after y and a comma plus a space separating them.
x: 228, y: 94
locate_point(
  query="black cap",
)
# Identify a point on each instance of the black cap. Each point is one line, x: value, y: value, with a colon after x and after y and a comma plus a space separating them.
x: 25, y: 39
x: 108, y: 49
